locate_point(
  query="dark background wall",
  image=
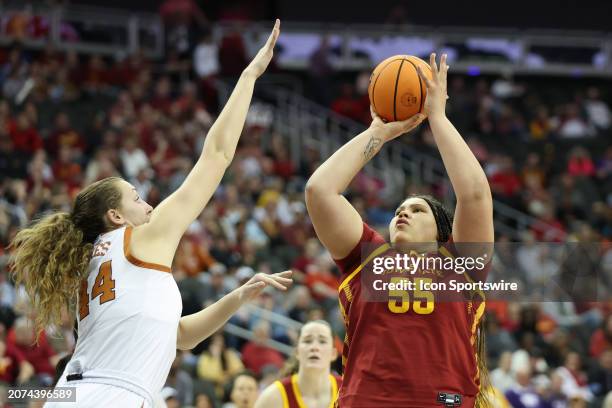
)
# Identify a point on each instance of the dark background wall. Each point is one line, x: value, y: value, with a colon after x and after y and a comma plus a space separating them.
x: 575, y: 14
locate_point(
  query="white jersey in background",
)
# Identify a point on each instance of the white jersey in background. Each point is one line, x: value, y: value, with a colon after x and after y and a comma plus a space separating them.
x: 128, y: 317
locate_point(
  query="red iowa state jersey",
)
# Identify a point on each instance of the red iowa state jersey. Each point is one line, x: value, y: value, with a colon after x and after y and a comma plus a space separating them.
x: 404, y: 350
x: 292, y: 396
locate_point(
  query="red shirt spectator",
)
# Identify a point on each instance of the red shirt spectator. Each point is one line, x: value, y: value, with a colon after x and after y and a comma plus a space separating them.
x: 10, y: 361
x: 65, y: 169
x: 256, y: 355
x: 347, y: 104
x: 25, y: 137
x: 21, y: 338
x: 601, y: 340
x: 581, y: 166
x: 64, y: 135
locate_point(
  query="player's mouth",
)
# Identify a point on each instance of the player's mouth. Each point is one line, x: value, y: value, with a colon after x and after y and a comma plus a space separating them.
x: 401, y: 221
x: 314, y: 358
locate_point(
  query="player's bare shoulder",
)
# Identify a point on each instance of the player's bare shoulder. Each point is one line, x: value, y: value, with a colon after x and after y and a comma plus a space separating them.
x: 270, y: 397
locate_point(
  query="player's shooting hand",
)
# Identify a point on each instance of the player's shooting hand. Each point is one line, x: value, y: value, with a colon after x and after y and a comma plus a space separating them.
x: 435, y: 103
x: 391, y: 130
x: 264, y: 56
x: 260, y: 281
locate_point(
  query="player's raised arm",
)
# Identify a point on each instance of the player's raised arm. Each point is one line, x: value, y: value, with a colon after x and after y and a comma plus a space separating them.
x: 196, y: 327
x: 156, y: 241
x: 337, y: 223
x: 474, y: 210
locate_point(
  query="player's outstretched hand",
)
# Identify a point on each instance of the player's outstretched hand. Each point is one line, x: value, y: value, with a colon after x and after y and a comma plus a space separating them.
x: 391, y: 130
x: 264, y: 56
x: 435, y: 103
x: 260, y: 281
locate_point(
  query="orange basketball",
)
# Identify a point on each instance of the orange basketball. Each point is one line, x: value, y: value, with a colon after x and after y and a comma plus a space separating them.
x: 396, y: 91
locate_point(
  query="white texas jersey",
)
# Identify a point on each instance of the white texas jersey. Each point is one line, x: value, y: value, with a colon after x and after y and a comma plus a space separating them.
x: 127, y: 320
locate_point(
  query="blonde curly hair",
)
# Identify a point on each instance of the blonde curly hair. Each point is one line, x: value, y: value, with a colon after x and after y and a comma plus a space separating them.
x: 50, y: 257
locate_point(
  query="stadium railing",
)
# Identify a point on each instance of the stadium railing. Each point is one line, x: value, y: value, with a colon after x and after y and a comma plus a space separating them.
x: 272, y: 317
x: 86, y: 29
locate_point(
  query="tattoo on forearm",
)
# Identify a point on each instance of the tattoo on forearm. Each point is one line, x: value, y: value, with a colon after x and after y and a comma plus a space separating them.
x: 371, y: 148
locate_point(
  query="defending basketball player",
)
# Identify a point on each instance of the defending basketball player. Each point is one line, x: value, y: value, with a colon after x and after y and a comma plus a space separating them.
x: 313, y: 385
x: 408, y: 351
x: 114, y: 251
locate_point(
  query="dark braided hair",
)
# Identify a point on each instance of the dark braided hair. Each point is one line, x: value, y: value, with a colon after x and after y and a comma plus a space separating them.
x: 444, y: 218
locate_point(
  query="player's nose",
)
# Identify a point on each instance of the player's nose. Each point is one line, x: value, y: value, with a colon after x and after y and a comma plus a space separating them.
x: 404, y: 214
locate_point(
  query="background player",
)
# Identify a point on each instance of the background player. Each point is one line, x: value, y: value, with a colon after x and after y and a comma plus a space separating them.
x: 406, y: 354
x: 313, y: 385
x: 129, y: 306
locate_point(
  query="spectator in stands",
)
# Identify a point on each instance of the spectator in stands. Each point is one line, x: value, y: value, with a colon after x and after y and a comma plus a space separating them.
x: 600, y: 375
x: 203, y: 400
x: 41, y: 356
x: 14, y: 368
x: 572, y: 125
x: 133, y: 159
x: 601, y: 340
x: 66, y: 168
x: 232, y: 53
x: 597, y: 110
x: 25, y: 136
x: 170, y: 398
x: 256, y: 353
x: 218, y: 364
x: 206, y: 66
x: 524, y: 394
x: 347, y: 104
x: 502, y: 377
x: 244, y: 391
x: 301, y: 300
x: 321, y: 71
x: 505, y: 182
x: 65, y: 135
x: 574, y: 380
x: 323, y: 284
x: 499, y: 342
x: 541, y: 126
x: 13, y: 163
x: 579, y: 163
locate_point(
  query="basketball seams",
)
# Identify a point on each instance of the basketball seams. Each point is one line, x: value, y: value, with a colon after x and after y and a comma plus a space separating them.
x: 420, y: 85
x: 399, y: 70
x: 376, y: 80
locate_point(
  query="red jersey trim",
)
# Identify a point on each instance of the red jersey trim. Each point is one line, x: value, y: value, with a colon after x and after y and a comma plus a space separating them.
x: 135, y: 261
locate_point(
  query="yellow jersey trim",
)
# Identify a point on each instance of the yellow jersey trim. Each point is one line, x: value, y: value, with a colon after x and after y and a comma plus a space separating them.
x: 280, y: 387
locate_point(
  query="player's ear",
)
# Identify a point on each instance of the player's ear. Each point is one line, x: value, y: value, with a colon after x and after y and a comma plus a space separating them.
x: 115, y: 217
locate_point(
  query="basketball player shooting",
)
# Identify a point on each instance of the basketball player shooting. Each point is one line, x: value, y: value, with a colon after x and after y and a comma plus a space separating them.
x: 407, y: 352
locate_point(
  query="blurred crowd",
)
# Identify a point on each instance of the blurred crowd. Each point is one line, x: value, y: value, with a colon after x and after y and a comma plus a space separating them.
x: 67, y: 120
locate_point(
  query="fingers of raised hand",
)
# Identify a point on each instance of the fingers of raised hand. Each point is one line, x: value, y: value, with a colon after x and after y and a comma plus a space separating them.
x: 284, y: 274
x: 433, y: 64
x: 443, y: 68
x: 278, y: 282
x: 428, y: 83
x: 273, y: 35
